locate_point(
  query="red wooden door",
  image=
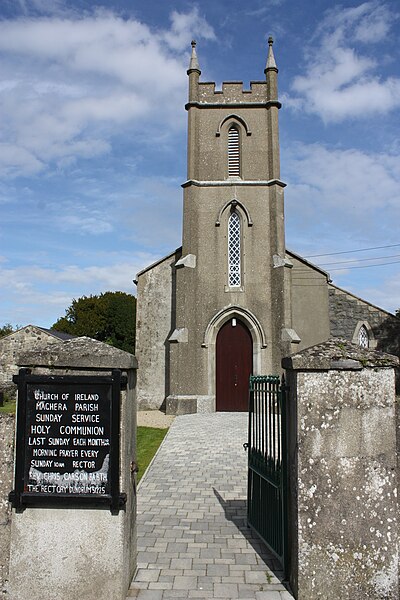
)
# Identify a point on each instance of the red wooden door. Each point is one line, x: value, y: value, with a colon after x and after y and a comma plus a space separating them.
x: 234, y: 366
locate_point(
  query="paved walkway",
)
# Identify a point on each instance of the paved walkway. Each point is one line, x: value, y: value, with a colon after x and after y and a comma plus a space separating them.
x: 193, y: 541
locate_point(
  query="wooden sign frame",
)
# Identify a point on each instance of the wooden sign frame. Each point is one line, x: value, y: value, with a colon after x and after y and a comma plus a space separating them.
x: 54, y: 420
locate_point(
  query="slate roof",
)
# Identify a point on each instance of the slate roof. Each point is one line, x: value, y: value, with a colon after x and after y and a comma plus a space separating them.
x: 58, y: 334
x: 338, y: 353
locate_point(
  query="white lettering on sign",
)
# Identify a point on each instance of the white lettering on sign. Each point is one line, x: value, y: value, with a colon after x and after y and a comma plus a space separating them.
x: 79, y: 441
x: 47, y: 418
x: 97, y: 476
x: 85, y: 418
x: 83, y: 464
x: 66, y: 447
x: 58, y: 441
x: 81, y: 430
x: 87, y: 397
x: 44, y: 452
x: 89, y: 453
x: 36, y: 441
x: 77, y: 482
x: 42, y: 463
x: 86, y: 407
x: 51, y: 406
x: 98, y: 442
x: 41, y: 395
x: 67, y: 453
x: 43, y: 429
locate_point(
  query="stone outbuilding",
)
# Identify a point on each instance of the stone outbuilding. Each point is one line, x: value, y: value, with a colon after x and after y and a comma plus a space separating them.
x: 233, y: 300
x: 27, y: 338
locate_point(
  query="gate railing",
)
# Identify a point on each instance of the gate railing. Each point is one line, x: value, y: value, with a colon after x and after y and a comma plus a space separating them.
x: 267, y: 463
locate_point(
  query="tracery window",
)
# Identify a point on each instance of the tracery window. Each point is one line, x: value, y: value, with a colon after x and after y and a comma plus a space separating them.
x: 234, y: 250
x: 363, y: 337
x: 233, y: 152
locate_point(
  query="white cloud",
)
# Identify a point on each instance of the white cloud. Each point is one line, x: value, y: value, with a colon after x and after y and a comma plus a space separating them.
x: 50, y: 7
x: 182, y: 26
x: 68, y: 84
x: 388, y: 293
x: 153, y: 214
x: 89, y: 224
x: 342, y: 79
x: 117, y: 276
x: 88, y: 279
x: 14, y: 159
x: 341, y: 200
x: 264, y: 9
x: 371, y: 21
x: 349, y: 190
x: 30, y: 301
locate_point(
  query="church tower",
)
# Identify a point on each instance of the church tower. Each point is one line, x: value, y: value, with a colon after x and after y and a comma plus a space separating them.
x: 232, y: 301
x: 232, y: 281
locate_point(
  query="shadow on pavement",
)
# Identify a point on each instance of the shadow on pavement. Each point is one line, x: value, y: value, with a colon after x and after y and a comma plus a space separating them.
x: 236, y: 512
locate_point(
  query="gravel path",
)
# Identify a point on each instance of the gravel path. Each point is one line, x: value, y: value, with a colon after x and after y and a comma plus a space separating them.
x: 154, y: 418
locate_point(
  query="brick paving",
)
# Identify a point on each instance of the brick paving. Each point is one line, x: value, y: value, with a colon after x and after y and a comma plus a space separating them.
x: 193, y: 541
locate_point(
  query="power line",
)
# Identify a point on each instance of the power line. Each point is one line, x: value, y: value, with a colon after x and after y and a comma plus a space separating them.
x: 394, y: 262
x: 351, y: 251
x: 345, y: 262
x: 297, y: 272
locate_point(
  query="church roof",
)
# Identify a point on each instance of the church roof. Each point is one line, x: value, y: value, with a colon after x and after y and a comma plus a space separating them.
x: 308, y: 263
x: 158, y: 262
x: 373, y: 306
x: 290, y: 253
x: 178, y: 250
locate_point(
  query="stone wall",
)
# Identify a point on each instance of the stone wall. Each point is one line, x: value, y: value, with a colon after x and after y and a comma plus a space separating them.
x: 7, y: 427
x: 155, y: 323
x: 343, y: 474
x: 25, y: 339
x: 347, y: 310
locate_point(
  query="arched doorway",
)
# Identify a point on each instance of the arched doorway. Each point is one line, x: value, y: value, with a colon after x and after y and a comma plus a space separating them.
x: 234, y: 365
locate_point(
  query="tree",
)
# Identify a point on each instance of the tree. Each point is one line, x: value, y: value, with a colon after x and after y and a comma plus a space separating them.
x: 108, y: 317
x: 6, y: 329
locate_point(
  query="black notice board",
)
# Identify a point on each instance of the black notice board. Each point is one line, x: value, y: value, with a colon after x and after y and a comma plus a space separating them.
x: 67, y: 440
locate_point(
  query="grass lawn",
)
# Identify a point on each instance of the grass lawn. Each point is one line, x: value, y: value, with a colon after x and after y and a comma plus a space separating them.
x: 9, y: 407
x: 148, y: 441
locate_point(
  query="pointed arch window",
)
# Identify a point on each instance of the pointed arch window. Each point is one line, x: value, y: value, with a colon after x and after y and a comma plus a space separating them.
x: 363, y: 337
x: 233, y: 152
x: 234, y: 250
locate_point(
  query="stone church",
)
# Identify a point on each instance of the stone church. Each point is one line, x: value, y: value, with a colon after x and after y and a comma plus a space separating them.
x: 232, y: 300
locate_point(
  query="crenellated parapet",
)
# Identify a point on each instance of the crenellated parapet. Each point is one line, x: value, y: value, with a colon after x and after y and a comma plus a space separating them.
x: 261, y: 93
x: 233, y: 92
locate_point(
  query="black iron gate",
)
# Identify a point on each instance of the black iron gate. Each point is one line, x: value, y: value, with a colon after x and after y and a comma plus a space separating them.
x: 267, y: 456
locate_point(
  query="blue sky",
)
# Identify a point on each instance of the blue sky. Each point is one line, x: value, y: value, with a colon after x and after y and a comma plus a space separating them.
x: 93, y: 137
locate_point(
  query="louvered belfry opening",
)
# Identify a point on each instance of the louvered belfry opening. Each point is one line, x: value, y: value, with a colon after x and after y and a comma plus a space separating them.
x: 233, y: 152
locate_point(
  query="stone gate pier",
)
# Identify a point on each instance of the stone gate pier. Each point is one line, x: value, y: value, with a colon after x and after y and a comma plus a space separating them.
x: 343, y: 505
x: 73, y: 523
